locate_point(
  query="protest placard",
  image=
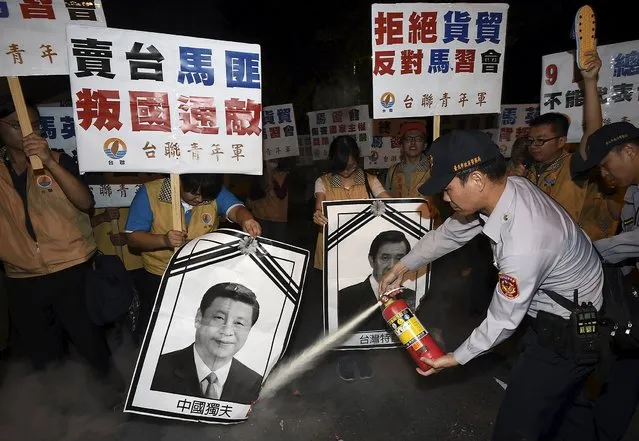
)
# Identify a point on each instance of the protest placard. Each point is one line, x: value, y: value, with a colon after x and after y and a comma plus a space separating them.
x: 326, y: 125
x: 562, y: 91
x: 280, y: 133
x: 33, y: 37
x: 164, y: 103
x: 437, y: 59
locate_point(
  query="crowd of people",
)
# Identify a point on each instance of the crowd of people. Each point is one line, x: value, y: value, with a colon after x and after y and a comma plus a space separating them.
x: 551, y: 215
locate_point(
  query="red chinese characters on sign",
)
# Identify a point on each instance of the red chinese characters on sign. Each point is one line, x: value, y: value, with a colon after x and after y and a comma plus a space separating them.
x: 384, y: 63
x: 242, y: 117
x: 422, y: 27
x: 465, y: 60
x: 198, y: 115
x: 150, y: 111
x: 37, y: 9
x: 103, y: 106
x: 389, y: 28
x: 411, y: 62
x: 274, y: 132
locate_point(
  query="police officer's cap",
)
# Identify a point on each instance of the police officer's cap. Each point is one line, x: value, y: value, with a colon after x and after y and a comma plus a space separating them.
x: 600, y: 143
x: 456, y: 152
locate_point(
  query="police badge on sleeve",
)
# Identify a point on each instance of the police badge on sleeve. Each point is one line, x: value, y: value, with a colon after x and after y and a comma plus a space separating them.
x: 508, y: 286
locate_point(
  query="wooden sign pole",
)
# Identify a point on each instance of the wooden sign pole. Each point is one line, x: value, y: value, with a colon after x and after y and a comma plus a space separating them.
x: 23, y: 118
x: 436, y: 126
x: 176, y: 203
x: 115, y: 229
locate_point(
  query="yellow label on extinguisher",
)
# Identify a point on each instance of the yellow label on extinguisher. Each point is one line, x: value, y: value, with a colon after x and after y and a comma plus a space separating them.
x: 408, y: 329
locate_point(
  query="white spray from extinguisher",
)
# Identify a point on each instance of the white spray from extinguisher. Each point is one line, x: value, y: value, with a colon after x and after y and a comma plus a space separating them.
x: 290, y: 370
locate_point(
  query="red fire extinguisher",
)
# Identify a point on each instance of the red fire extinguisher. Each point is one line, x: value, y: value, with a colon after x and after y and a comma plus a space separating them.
x: 410, y: 331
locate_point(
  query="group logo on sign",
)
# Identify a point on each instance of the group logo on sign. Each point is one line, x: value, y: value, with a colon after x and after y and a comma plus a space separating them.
x: 115, y: 148
x: 387, y: 101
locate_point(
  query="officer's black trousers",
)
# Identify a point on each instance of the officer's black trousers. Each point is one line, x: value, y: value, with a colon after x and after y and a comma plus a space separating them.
x: 616, y: 405
x: 541, y: 389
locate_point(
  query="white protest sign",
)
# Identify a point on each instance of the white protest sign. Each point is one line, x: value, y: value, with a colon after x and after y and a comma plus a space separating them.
x: 58, y: 128
x: 280, y: 134
x: 306, y: 151
x: 33, y: 41
x: 150, y: 102
x: 437, y: 59
x: 114, y: 195
x: 326, y: 125
x: 514, y: 123
x: 618, y: 80
x: 385, y: 152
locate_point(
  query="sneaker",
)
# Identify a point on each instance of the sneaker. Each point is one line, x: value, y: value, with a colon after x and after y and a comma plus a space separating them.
x: 584, y: 29
x: 346, y: 369
x: 363, y: 365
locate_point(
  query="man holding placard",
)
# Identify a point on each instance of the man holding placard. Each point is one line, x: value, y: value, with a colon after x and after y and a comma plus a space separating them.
x: 593, y: 210
x: 47, y: 241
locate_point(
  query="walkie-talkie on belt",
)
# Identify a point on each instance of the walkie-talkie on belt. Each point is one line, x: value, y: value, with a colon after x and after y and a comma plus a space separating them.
x: 587, y: 340
x: 584, y: 321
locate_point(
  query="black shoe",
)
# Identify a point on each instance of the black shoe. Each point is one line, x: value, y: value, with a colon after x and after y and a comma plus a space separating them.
x: 363, y: 365
x: 346, y: 369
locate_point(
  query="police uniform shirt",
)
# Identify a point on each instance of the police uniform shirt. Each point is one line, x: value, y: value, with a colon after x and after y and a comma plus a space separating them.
x: 536, y: 245
x: 624, y: 245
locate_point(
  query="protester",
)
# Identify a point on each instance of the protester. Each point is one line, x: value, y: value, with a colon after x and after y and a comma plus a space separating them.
x: 268, y: 200
x: 404, y: 178
x: 47, y: 244
x: 615, y: 148
x: 150, y: 229
x: 346, y: 180
x: 520, y: 159
x: 588, y: 202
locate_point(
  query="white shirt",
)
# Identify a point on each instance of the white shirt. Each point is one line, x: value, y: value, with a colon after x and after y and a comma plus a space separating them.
x: 536, y: 243
x: 625, y: 245
x: 203, y: 371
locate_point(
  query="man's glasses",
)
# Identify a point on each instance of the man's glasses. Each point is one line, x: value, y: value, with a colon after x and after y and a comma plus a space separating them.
x: 15, y: 124
x: 541, y: 141
x: 416, y: 139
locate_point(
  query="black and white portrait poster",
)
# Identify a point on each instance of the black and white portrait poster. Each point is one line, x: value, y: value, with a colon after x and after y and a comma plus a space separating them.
x: 362, y: 240
x: 221, y: 321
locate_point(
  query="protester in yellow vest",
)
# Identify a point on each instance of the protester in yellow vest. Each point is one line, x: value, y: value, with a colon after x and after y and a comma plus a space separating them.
x: 268, y: 201
x: 405, y: 177
x: 107, y: 240
x: 587, y: 201
x: 150, y: 229
x: 47, y: 242
x: 345, y: 181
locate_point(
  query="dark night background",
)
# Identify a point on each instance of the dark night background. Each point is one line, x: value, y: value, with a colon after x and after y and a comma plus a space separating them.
x: 317, y: 55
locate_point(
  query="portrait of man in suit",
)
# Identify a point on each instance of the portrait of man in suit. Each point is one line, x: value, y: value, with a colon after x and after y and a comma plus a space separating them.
x: 208, y: 368
x: 386, y: 250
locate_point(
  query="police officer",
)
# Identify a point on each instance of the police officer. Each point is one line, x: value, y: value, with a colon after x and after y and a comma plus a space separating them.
x: 536, y: 247
x: 615, y: 148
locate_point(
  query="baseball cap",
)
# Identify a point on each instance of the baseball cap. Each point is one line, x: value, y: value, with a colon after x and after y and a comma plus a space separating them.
x: 412, y: 125
x: 600, y: 143
x: 455, y: 152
